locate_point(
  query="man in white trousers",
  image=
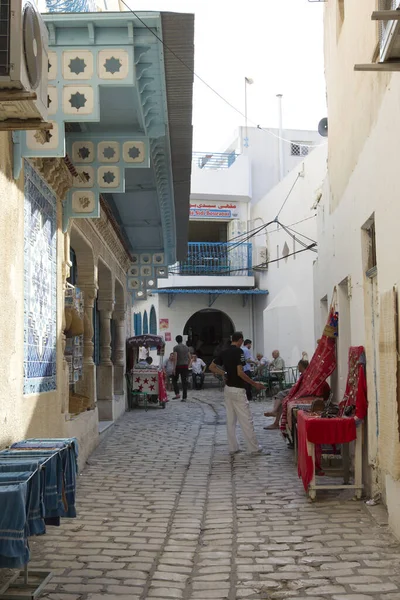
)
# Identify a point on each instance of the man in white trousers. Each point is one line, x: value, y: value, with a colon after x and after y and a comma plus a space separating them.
x: 236, y: 403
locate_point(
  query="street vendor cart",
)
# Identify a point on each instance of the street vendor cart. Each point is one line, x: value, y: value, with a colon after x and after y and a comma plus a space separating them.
x: 146, y: 386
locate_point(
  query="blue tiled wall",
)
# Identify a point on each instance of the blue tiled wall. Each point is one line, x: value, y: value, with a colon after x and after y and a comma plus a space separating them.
x: 40, y: 285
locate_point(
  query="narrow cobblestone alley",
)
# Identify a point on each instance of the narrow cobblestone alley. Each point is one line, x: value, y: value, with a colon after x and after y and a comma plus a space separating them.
x: 164, y: 512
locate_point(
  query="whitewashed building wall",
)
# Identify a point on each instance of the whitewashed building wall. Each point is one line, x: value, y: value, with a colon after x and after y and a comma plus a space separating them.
x: 284, y: 319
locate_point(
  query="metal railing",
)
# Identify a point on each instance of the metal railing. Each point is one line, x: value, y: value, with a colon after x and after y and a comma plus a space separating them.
x: 216, y: 258
x: 214, y: 160
x: 385, y: 26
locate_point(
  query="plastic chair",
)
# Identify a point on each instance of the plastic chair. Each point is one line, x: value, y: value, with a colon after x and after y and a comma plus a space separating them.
x: 263, y: 377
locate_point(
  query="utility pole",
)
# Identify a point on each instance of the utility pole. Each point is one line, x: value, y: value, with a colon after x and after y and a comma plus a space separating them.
x: 281, y: 157
x: 247, y: 81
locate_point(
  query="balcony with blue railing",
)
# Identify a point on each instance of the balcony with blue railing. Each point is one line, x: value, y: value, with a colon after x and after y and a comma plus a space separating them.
x: 216, y: 160
x: 221, y: 175
x: 216, y: 259
x: 213, y: 264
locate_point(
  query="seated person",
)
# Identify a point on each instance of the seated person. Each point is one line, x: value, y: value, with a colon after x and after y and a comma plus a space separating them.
x: 278, y: 364
x: 276, y: 368
x: 279, y: 398
x: 261, y: 363
x: 145, y: 363
x: 261, y: 360
x: 198, y: 367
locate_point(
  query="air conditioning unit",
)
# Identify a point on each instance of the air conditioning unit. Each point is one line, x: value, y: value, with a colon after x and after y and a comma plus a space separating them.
x: 389, y: 33
x: 23, y: 62
x: 261, y: 258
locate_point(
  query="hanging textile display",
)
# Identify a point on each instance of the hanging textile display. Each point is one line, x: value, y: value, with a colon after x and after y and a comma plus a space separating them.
x: 322, y: 365
x: 355, y: 396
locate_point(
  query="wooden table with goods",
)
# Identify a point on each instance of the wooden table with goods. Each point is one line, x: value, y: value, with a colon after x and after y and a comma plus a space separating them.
x: 314, y: 431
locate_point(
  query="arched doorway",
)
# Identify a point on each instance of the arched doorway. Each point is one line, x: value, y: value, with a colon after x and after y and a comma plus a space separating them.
x: 206, y: 330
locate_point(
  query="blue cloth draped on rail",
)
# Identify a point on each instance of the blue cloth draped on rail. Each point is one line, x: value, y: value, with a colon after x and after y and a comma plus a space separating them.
x: 36, y: 511
x: 35, y: 522
x: 14, y: 550
x: 53, y: 477
x: 37, y: 486
x: 70, y: 468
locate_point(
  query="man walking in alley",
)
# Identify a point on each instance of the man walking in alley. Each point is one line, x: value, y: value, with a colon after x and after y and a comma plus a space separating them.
x: 236, y: 403
x: 182, y: 360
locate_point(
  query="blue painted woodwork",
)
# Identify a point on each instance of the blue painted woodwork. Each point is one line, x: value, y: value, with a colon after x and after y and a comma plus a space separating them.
x: 106, y: 74
x: 218, y: 292
x: 153, y: 321
x: 137, y: 323
x: 145, y: 323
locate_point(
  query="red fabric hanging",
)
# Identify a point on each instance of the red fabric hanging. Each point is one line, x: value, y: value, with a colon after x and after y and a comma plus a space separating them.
x: 162, y: 391
x: 317, y: 430
x: 337, y: 430
x: 305, y: 467
x: 313, y: 382
x: 356, y: 385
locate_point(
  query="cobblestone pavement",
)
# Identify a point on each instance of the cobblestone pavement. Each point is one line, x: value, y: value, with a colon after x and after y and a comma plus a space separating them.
x: 165, y: 512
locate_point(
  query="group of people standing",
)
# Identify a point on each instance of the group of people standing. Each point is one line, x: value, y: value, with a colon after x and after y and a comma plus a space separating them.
x: 236, y: 365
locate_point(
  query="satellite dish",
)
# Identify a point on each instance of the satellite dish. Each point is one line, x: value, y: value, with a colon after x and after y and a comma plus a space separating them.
x: 32, y: 42
x: 323, y: 127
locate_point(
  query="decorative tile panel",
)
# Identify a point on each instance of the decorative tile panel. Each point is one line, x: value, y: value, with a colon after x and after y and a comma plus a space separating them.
x: 35, y: 140
x: 146, y: 271
x: 86, y: 176
x: 108, y: 177
x: 40, y: 285
x: 53, y: 64
x: 52, y: 99
x: 83, y: 152
x: 113, y: 64
x: 77, y: 64
x: 161, y: 272
x: 78, y: 73
x: 78, y: 100
x: 108, y: 152
x: 134, y: 272
x: 143, y: 273
x: 106, y: 157
x: 83, y: 203
x: 134, y: 152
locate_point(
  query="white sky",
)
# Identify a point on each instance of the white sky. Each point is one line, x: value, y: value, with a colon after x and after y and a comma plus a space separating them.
x: 278, y: 43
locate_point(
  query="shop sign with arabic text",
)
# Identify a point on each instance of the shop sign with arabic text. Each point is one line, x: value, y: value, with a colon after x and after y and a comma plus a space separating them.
x: 214, y: 211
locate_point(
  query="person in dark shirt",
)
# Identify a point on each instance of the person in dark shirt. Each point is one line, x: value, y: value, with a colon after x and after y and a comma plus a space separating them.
x: 182, y: 360
x: 237, y: 406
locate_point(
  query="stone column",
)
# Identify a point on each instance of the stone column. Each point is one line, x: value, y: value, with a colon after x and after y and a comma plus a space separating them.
x: 105, y: 371
x: 87, y: 385
x: 119, y: 351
